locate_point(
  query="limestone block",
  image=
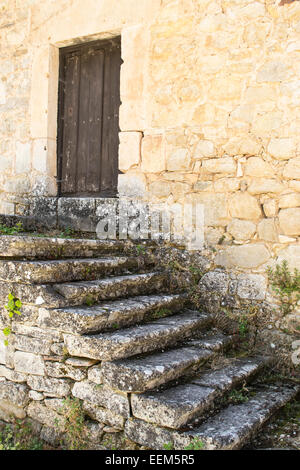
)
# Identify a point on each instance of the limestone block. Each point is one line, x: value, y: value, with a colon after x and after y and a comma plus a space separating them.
x: 58, y: 370
x: 243, y: 145
x: 34, y: 345
x: 204, y: 149
x: 29, y: 363
x: 224, y: 185
x: 215, y: 281
x: 264, y: 186
x: 102, y: 396
x: 45, y: 415
x: 292, y: 169
x: 241, y: 229
x: 251, y: 286
x: 11, y: 374
x: 132, y: 184
x: 215, y: 207
x: 282, y: 148
x: 256, y: 166
x: 270, y: 208
x: 103, y: 415
x: 292, y: 255
x: 289, y: 200
x: 243, y: 256
x: 272, y: 71
x: 95, y: 374
x: 9, y: 411
x: 23, y: 157
x: 179, y: 160
x: 51, y: 386
x: 36, y: 396
x: 268, y: 230
x: 129, y: 149
x: 289, y: 221
x: 244, y: 206
x: 80, y: 362
x: 160, y: 188
x: 220, y: 165
x: 14, y: 393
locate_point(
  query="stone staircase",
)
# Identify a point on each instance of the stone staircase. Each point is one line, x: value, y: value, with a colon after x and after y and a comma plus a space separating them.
x: 100, y: 323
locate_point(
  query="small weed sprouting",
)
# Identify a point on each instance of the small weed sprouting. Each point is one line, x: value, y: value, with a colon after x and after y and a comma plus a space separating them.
x: 13, y: 307
x: 239, y: 396
x: 161, y: 313
x: 73, y: 424
x: 286, y: 286
x: 19, y: 436
x: 67, y: 233
x: 168, y: 446
x: 196, y: 444
x: 4, y: 230
x: 141, y: 249
x: 89, y: 300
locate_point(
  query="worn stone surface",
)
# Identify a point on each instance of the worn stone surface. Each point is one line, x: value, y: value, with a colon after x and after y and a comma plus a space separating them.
x: 244, y: 206
x: 51, y: 386
x: 251, y: 286
x: 19, y: 246
x: 14, y: 393
x: 177, y: 406
x: 105, y: 315
x: 215, y: 281
x: 80, y: 362
x: 289, y: 221
x: 11, y: 374
x: 29, y: 363
x: 10, y: 410
x: 232, y: 427
x: 245, y: 256
x: 139, y: 374
x: 103, y: 415
x: 102, y: 396
x: 147, y: 434
x: 61, y: 270
x: 45, y: 415
x: 172, y: 408
x: 95, y: 374
x: 241, y: 229
x: 136, y: 284
x: 58, y: 369
x: 34, y: 345
x: 138, y: 339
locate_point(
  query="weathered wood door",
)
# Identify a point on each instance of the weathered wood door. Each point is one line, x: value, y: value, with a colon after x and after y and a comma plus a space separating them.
x: 88, y: 119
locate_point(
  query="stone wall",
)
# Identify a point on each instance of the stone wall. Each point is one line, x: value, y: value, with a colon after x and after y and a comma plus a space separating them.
x: 209, y: 114
x: 36, y: 378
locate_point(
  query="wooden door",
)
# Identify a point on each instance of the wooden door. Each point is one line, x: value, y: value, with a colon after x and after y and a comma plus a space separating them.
x: 88, y: 119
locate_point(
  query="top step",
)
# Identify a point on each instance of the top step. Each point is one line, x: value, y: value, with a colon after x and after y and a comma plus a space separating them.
x: 31, y: 247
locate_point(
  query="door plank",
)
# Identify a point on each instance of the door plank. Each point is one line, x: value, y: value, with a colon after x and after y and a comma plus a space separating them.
x: 90, y: 119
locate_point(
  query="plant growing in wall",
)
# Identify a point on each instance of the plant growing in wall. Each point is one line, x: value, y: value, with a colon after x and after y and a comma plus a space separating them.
x: 13, y: 307
x: 286, y: 285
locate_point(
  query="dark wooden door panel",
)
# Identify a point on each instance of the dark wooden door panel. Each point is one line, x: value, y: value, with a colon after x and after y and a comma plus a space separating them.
x: 89, y: 119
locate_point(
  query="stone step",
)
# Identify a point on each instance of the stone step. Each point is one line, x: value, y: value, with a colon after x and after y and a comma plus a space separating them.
x: 141, y: 339
x: 42, y: 272
x: 77, y: 293
x: 230, y: 429
x: 147, y: 372
x: 105, y: 315
x: 34, y: 247
x: 178, y: 406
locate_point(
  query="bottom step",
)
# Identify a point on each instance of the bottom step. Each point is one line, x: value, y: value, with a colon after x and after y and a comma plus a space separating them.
x: 228, y: 430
